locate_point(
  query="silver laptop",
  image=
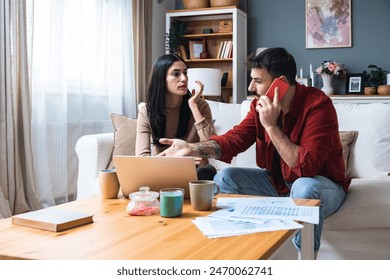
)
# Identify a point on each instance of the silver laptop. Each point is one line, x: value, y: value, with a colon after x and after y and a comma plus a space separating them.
x: 155, y: 172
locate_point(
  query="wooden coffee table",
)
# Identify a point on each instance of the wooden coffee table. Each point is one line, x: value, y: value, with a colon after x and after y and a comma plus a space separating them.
x: 115, y: 235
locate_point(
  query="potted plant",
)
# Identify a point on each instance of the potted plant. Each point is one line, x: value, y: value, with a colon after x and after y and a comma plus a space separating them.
x: 373, y: 79
x: 174, y: 38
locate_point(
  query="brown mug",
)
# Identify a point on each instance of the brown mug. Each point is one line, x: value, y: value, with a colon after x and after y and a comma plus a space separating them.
x: 202, y: 193
x: 109, y: 183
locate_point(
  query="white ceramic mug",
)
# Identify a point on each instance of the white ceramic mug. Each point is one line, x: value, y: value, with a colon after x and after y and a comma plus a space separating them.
x: 202, y: 193
x: 109, y: 183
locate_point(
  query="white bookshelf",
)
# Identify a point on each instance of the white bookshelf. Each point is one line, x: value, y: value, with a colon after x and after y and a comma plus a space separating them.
x: 198, y: 19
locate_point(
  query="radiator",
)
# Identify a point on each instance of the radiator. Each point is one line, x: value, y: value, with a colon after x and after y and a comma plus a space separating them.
x: 55, y: 160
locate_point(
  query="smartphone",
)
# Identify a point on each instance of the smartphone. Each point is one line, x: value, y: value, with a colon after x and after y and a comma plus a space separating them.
x: 282, y: 85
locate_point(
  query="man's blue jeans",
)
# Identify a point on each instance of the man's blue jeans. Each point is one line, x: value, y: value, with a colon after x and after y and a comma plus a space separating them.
x: 256, y: 181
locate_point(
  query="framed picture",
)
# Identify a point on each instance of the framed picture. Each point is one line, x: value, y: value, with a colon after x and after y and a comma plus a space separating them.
x: 196, y: 47
x: 303, y: 81
x: 328, y: 24
x: 355, y: 84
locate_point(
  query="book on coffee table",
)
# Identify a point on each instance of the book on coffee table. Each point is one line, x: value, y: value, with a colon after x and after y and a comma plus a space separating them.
x: 52, y: 219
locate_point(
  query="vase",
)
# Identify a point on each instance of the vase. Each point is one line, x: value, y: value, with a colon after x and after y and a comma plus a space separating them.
x: 205, y: 53
x: 327, y: 84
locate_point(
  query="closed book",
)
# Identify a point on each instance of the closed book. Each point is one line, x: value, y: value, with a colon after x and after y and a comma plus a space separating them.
x: 52, y: 219
x: 227, y: 49
x: 224, y: 79
x: 220, y: 50
x: 183, y: 52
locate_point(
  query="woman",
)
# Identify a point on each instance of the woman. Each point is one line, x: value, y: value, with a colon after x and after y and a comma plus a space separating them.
x: 172, y: 111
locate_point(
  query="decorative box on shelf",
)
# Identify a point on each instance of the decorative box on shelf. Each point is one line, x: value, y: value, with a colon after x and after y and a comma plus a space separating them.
x: 225, y: 26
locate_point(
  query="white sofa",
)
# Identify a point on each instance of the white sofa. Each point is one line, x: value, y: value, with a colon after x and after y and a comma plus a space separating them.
x: 360, y: 229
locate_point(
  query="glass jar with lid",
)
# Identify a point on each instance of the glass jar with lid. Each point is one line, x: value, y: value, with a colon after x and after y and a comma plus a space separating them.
x: 143, y: 203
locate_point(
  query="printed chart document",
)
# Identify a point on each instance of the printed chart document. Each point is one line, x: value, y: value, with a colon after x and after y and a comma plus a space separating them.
x: 249, y: 215
x: 215, y: 227
x: 307, y: 214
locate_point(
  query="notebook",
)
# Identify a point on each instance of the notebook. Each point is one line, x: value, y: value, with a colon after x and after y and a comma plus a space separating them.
x: 154, y: 172
x: 52, y: 219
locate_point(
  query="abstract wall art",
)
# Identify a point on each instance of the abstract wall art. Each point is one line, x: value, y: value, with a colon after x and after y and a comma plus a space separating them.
x: 328, y: 24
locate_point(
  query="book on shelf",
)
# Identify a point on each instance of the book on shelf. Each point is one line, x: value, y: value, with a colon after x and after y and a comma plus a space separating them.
x: 52, y: 219
x: 224, y: 79
x: 183, y: 52
x: 220, y: 49
x: 230, y: 55
x: 227, y: 49
x: 224, y: 49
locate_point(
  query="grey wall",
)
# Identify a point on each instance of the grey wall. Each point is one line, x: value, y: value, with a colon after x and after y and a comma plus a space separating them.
x: 281, y: 23
x: 158, y: 29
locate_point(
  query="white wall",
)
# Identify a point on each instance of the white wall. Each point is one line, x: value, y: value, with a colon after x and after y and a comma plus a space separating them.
x: 158, y: 29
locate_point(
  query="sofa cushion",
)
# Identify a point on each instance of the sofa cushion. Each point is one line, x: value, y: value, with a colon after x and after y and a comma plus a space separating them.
x: 125, y: 132
x: 371, y: 152
x: 347, y: 138
x: 226, y: 116
x: 367, y: 206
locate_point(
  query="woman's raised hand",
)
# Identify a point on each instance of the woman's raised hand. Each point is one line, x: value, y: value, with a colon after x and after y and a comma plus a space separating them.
x: 196, y: 96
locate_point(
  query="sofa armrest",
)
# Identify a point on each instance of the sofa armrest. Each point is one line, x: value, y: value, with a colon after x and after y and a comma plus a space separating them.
x: 94, y: 153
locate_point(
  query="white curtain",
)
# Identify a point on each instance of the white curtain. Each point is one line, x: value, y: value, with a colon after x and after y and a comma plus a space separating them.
x: 82, y: 70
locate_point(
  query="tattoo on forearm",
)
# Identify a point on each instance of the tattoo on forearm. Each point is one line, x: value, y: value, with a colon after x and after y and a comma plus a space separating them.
x: 209, y: 149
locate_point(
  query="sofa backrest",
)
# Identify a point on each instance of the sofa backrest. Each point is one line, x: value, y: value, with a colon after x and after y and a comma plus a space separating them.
x: 370, y: 153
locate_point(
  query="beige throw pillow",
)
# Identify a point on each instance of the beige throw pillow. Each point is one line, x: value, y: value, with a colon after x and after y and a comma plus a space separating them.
x: 347, y: 138
x: 125, y: 132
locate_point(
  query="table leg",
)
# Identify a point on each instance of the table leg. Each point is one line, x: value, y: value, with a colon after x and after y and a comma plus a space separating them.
x: 307, y: 242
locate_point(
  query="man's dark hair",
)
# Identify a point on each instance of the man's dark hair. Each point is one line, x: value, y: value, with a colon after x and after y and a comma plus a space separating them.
x: 277, y: 61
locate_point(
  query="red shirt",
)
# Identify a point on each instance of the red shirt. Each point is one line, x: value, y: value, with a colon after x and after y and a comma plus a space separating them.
x: 311, y: 123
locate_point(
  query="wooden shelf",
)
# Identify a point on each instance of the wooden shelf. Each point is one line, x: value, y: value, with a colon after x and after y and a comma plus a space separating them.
x: 361, y: 98
x: 210, y: 60
x: 208, y: 36
x: 349, y: 98
x: 211, y: 9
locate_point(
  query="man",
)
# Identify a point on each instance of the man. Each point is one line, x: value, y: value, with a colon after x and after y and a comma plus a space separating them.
x: 298, y: 147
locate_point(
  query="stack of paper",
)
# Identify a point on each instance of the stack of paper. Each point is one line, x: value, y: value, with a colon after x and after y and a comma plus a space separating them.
x: 249, y: 215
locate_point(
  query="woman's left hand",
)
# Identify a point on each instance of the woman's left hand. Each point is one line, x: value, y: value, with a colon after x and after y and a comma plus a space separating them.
x: 196, y: 96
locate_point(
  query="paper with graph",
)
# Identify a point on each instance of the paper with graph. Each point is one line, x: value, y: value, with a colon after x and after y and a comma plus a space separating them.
x: 249, y: 215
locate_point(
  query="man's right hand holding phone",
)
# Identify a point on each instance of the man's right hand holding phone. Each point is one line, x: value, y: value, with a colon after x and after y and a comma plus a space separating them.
x: 269, y: 108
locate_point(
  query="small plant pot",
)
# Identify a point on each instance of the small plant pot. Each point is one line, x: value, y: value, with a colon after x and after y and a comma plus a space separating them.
x: 384, y: 89
x: 370, y: 90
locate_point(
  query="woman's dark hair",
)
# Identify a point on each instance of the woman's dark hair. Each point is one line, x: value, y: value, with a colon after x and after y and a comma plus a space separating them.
x: 277, y: 61
x: 155, y: 99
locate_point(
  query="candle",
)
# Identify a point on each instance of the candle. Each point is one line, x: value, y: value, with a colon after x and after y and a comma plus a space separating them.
x: 301, y: 73
x: 311, y: 75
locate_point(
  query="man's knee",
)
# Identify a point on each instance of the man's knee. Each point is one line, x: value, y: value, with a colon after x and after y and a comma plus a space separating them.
x: 224, y: 180
x: 305, y: 188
